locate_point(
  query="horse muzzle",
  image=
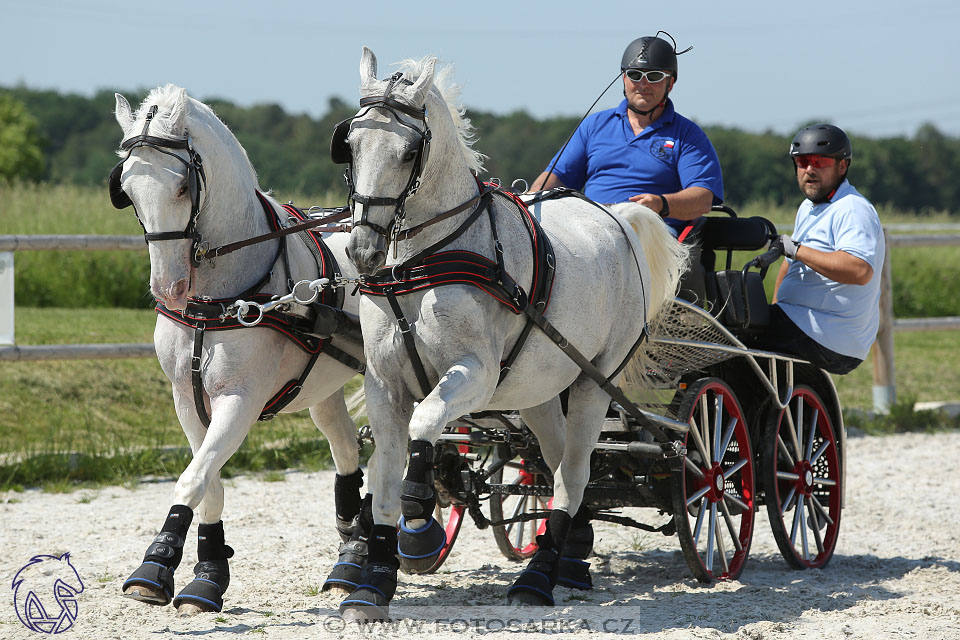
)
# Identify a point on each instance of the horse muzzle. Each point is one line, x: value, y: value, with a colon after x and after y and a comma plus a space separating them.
x: 366, y: 249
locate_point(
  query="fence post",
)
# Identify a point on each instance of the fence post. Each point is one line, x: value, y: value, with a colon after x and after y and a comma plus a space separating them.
x: 884, y: 374
x: 6, y: 297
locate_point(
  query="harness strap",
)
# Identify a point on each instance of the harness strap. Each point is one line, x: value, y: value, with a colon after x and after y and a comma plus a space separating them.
x: 340, y: 213
x: 602, y: 381
x: 195, y: 376
x: 482, y: 203
x: 408, y: 343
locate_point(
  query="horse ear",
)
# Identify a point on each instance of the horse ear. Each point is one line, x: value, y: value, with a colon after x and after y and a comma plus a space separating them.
x: 368, y: 66
x: 178, y: 113
x: 424, y: 82
x: 123, y: 112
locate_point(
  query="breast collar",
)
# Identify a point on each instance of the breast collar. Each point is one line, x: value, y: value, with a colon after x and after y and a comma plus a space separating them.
x: 210, y: 314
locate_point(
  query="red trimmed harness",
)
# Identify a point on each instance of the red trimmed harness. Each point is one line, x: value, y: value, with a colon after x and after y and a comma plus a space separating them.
x: 205, y: 314
x: 428, y: 269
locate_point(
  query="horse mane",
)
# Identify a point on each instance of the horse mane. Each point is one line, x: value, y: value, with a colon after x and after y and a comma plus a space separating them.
x: 202, y: 124
x: 449, y: 92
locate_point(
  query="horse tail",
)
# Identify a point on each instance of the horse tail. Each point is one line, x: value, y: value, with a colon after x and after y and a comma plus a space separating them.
x: 357, y: 403
x: 666, y: 258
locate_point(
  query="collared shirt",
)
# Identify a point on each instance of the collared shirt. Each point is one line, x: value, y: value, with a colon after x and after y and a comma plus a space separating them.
x: 842, y: 317
x: 608, y: 163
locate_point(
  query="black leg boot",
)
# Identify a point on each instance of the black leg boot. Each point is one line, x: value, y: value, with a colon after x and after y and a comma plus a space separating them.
x: 346, y: 497
x: 574, y: 569
x: 419, y: 548
x: 152, y: 582
x: 211, y: 573
x: 345, y: 574
x: 370, y: 601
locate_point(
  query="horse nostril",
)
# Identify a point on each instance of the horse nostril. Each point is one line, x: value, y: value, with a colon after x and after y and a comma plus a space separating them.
x: 379, y: 258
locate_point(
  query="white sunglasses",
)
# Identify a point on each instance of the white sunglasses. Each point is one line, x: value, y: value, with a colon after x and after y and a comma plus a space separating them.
x: 653, y: 77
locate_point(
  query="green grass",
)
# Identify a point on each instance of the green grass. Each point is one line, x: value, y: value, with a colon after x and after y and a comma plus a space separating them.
x: 112, y: 421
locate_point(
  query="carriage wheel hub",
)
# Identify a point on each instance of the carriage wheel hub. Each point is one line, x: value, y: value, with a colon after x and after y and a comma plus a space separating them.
x: 805, y: 480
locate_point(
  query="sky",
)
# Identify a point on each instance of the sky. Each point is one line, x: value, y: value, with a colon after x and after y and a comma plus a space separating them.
x: 873, y: 67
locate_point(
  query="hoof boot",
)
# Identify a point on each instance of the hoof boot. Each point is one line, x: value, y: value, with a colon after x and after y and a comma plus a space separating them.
x: 151, y: 583
x: 534, y: 585
x: 345, y: 575
x: 420, y: 548
x: 370, y: 601
x: 574, y: 573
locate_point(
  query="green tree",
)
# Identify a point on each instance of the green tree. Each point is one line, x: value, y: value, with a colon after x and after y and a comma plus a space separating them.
x: 21, y: 144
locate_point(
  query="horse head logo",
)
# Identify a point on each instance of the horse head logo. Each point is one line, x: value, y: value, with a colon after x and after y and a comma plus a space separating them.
x: 45, y: 594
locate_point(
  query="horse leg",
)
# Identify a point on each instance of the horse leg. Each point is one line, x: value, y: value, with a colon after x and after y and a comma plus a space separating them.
x: 231, y: 419
x: 464, y: 387
x: 333, y: 420
x: 547, y: 422
x: 588, y: 404
x: 152, y: 581
x: 378, y: 578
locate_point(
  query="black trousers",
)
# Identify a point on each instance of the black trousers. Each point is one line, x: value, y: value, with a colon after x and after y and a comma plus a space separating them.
x: 783, y: 336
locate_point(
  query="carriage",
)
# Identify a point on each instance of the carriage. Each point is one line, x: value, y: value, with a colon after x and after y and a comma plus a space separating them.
x: 758, y: 429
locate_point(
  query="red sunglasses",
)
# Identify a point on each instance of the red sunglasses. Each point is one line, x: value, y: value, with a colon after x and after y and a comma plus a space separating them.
x: 814, y: 161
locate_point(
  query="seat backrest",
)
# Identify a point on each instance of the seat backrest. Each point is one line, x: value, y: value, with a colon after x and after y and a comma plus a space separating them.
x: 737, y: 234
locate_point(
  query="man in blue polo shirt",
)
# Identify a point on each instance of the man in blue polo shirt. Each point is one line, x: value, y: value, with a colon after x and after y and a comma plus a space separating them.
x: 643, y: 150
x: 826, y: 301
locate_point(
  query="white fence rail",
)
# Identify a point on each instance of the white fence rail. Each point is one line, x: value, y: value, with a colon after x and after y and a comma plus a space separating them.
x: 884, y: 374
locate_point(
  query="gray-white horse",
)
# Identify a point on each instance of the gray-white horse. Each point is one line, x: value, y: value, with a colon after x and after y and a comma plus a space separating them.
x: 194, y: 189
x: 435, y: 353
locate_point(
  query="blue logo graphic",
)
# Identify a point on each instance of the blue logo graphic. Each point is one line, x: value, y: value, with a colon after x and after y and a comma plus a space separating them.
x: 45, y: 594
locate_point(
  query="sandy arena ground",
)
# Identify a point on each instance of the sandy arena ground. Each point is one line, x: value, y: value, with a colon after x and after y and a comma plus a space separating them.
x: 895, y: 574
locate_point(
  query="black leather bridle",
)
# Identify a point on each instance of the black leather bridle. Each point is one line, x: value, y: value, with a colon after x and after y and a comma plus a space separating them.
x: 340, y: 153
x: 195, y: 182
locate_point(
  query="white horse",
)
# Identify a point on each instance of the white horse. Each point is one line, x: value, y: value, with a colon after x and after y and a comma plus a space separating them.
x: 415, y: 194
x: 193, y: 188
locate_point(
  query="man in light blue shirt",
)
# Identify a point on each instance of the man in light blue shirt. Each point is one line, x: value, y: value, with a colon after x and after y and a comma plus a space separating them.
x: 643, y: 150
x: 826, y: 301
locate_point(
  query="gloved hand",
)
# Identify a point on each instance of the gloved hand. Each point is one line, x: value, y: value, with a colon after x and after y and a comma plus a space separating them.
x: 786, y: 244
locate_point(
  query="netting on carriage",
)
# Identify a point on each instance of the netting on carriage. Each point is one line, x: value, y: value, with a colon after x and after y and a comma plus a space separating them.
x: 683, y: 338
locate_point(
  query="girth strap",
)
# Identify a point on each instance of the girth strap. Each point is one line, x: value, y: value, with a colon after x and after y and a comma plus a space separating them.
x: 408, y: 343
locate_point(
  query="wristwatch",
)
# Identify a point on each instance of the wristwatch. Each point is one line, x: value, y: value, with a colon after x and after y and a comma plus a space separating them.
x: 665, y: 207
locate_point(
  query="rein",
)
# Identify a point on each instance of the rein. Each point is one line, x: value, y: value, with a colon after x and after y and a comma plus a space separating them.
x: 338, y: 213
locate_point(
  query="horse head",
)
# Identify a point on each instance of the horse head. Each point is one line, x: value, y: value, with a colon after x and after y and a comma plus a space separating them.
x: 159, y: 176
x: 388, y: 141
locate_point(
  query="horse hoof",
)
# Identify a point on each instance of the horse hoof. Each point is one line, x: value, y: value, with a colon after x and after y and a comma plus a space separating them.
x: 524, y: 598
x: 420, y: 548
x: 148, y: 595
x: 364, y: 614
x: 188, y: 610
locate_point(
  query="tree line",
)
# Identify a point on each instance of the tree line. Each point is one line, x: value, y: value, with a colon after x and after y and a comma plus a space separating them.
x: 68, y: 138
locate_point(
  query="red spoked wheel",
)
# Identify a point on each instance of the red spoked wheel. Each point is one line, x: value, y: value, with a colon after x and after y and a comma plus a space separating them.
x: 713, y: 495
x: 518, y: 541
x: 800, y: 468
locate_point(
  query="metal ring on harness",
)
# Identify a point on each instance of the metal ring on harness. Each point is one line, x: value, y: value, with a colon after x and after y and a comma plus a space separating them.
x: 314, y: 287
x: 243, y: 307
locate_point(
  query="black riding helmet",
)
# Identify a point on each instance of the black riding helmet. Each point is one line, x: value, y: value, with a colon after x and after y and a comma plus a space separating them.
x: 650, y: 52
x: 822, y: 139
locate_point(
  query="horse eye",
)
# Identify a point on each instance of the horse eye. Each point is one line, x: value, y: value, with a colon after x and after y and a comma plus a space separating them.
x: 409, y: 156
x: 181, y: 191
